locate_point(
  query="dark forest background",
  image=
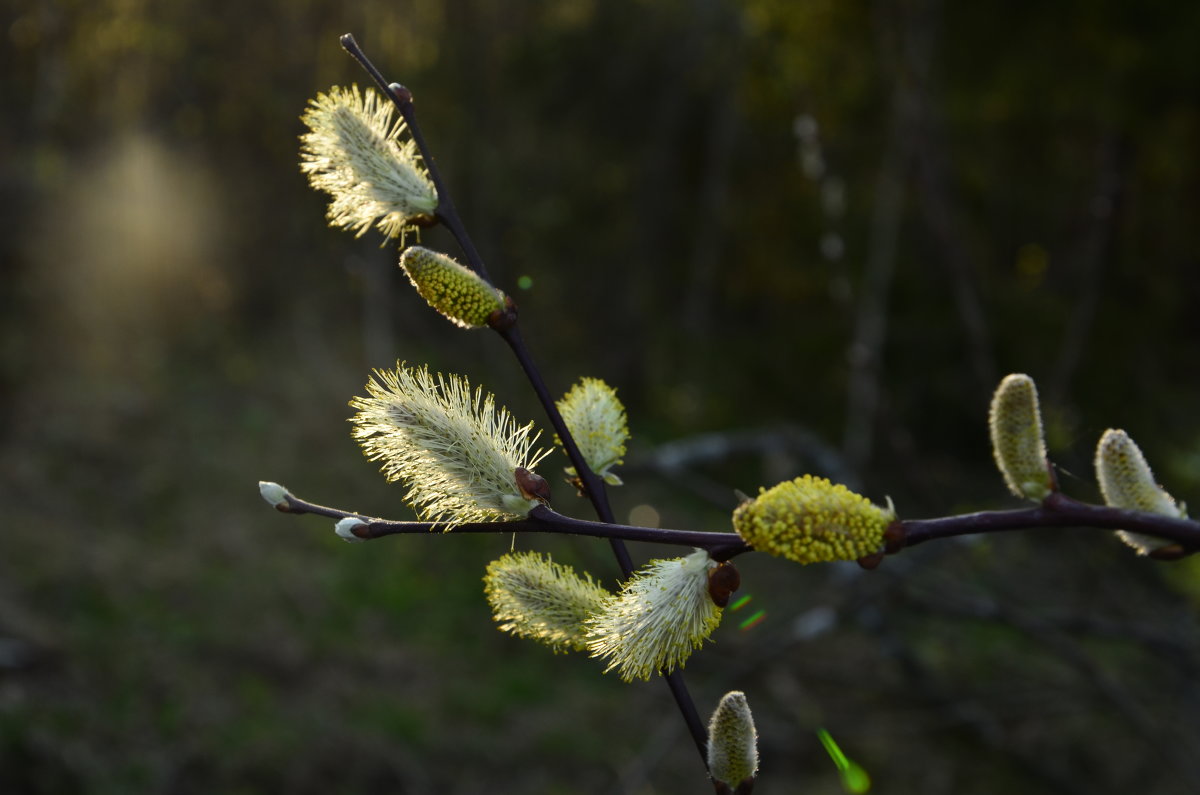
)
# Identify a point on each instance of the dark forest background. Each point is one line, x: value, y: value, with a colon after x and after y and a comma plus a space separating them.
x: 796, y: 237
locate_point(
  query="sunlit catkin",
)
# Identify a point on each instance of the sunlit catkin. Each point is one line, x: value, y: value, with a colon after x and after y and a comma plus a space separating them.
x: 596, y: 419
x: 811, y: 520
x: 533, y: 597
x: 459, y: 454
x: 354, y: 151
x: 661, y: 615
x: 454, y: 290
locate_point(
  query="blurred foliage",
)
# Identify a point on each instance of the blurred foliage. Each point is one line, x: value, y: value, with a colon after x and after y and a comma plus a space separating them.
x: 714, y: 203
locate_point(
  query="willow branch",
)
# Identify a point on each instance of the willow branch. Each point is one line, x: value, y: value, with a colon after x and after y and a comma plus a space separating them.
x: 593, y: 487
x: 1057, y: 511
x: 720, y: 546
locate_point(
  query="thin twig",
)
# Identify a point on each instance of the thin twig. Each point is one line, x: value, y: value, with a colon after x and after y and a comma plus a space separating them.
x: 1056, y: 513
x: 721, y: 546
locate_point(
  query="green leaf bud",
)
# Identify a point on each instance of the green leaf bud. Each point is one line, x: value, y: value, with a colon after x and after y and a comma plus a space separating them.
x: 732, y: 744
x: 1127, y: 482
x: 1015, y: 423
x: 454, y: 290
x: 661, y: 615
x: 810, y: 520
x: 533, y: 597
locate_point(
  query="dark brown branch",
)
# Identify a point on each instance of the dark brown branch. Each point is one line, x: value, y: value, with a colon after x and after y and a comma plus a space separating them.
x: 1057, y: 511
x: 721, y: 546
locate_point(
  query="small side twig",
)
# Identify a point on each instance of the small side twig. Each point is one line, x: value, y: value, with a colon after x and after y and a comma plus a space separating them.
x: 1057, y: 512
x: 721, y: 546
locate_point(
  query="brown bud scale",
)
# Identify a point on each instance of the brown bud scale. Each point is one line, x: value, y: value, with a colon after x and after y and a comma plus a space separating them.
x: 722, y: 582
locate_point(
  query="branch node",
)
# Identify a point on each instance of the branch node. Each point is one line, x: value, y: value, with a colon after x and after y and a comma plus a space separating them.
x: 870, y: 562
x: 401, y: 93
x: 894, y: 537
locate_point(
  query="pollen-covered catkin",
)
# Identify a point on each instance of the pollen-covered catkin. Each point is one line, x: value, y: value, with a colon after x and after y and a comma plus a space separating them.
x: 454, y: 290
x: 355, y: 151
x: 457, y: 451
x: 596, y: 419
x: 661, y: 615
x: 811, y: 520
x: 533, y: 597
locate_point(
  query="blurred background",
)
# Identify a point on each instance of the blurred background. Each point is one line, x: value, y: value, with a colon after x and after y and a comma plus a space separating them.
x: 796, y: 237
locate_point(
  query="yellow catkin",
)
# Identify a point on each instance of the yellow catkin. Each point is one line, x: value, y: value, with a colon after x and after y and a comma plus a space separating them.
x: 811, y: 520
x: 533, y: 597
x: 596, y: 419
x: 457, y: 292
x: 356, y: 151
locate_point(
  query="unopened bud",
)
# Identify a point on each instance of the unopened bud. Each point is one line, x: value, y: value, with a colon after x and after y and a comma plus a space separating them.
x: 732, y: 744
x: 1127, y: 482
x: 273, y: 493
x: 345, y: 528
x: 457, y: 292
x: 1015, y: 423
x: 810, y: 520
